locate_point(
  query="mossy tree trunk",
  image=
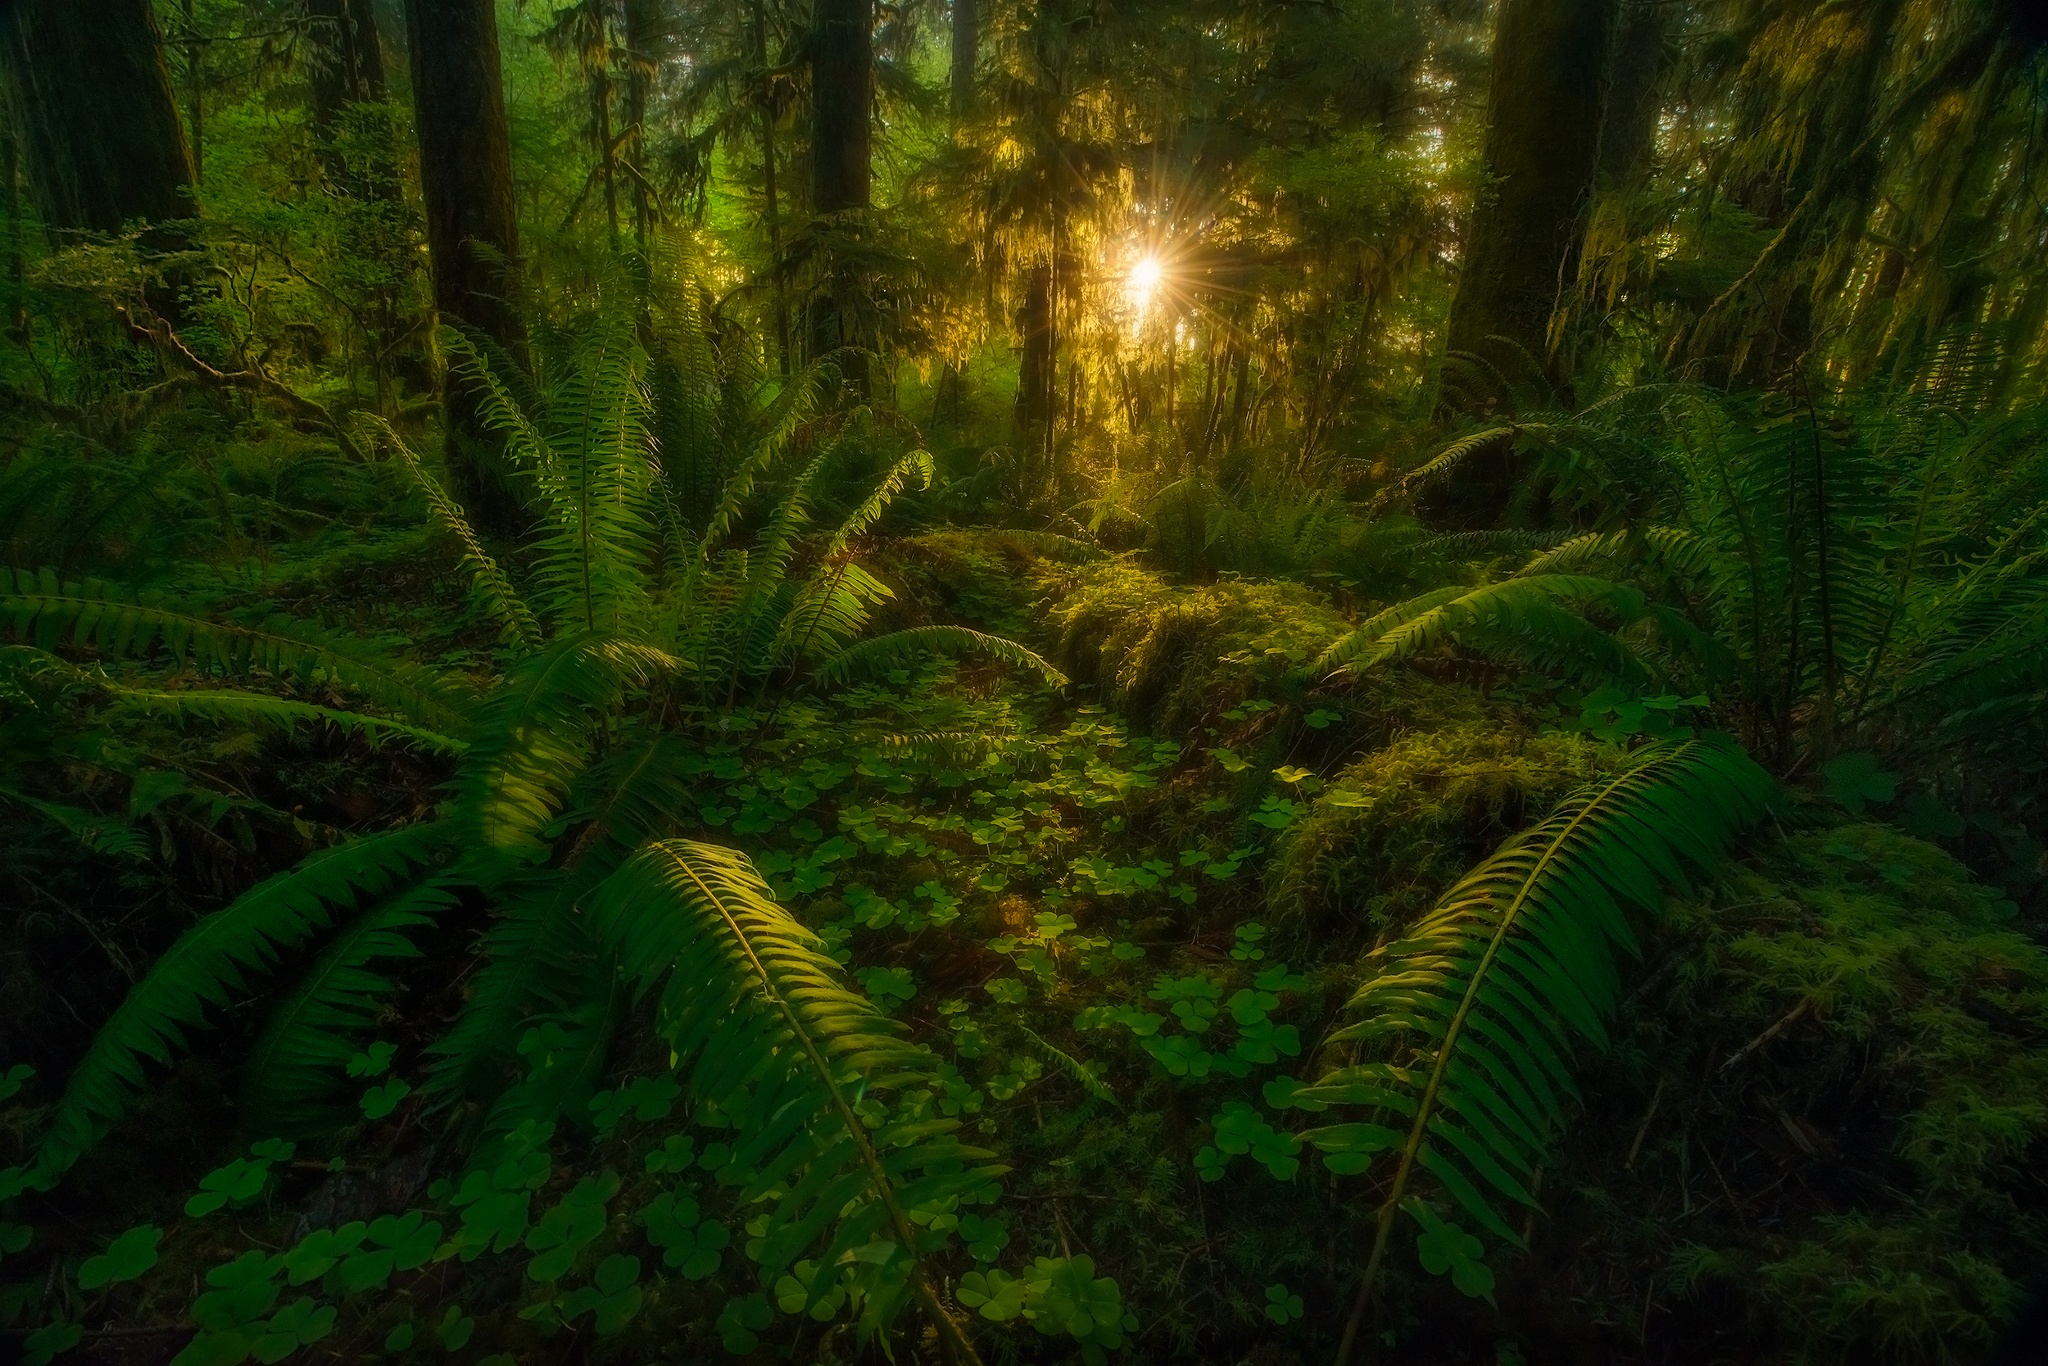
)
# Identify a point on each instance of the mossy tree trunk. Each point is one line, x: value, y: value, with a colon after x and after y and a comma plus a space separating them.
x: 348, y: 60
x: 472, y: 221
x: 90, y: 95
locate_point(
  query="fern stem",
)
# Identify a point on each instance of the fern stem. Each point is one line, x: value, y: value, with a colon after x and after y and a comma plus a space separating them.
x: 953, y: 1343
x: 1384, y: 1226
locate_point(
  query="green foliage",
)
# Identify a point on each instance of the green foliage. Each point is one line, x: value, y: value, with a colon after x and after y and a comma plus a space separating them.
x: 752, y: 1008
x: 1514, y: 961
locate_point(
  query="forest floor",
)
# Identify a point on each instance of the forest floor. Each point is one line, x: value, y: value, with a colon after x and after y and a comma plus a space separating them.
x: 1125, y: 916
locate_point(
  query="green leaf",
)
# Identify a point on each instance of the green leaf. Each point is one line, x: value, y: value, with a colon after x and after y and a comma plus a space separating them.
x: 1855, y: 780
x: 127, y: 1257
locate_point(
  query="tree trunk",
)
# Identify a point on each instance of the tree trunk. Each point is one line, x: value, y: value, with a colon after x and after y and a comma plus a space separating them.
x: 465, y: 161
x: 472, y: 219
x: 966, y: 42
x: 842, y: 97
x: 643, y: 32
x: 1542, y: 150
x: 842, y: 105
x: 91, y: 98
x: 348, y: 61
x: 771, y: 201
x: 1628, y: 131
x: 1035, y: 369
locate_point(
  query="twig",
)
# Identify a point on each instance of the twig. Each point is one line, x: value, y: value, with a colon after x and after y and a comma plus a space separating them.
x: 1784, y: 1022
x: 1635, y: 1149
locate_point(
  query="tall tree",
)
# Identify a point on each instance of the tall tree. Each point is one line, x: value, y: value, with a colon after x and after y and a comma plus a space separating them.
x: 472, y: 222
x: 91, y: 95
x: 646, y: 29
x: 1544, y: 110
x: 842, y: 108
x: 465, y: 161
x: 348, y: 60
x: 966, y: 47
x: 842, y: 97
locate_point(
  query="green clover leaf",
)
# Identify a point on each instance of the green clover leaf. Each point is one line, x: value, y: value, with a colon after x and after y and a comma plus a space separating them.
x: 321, y: 1249
x: 301, y: 1323
x: 455, y: 1328
x: 380, y: 1101
x: 127, y: 1257
x: 996, y: 1294
x: 1282, y: 1306
x: 741, y: 1322
x: 373, y: 1063
x: 677, y: 1154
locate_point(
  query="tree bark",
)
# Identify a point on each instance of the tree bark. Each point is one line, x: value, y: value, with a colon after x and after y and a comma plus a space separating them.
x: 1542, y: 151
x: 348, y: 60
x: 472, y: 218
x: 1628, y: 131
x: 771, y: 200
x: 842, y: 106
x: 1035, y: 370
x: 966, y: 47
x: 91, y: 98
x: 643, y: 34
x: 842, y: 96
x: 465, y: 161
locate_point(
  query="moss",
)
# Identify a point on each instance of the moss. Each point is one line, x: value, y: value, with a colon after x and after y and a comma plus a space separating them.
x: 1847, y: 1040
x: 1173, y: 658
x: 1400, y: 825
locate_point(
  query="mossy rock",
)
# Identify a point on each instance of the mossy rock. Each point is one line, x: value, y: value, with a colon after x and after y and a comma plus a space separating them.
x: 1399, y: 826
x: 1172, y: 658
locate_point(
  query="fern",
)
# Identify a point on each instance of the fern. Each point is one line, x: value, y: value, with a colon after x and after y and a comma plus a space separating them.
x: 1529, y: 619
x: 210, y: 963
x: 277, y: 713
x: 539, y: 962
x: 1476, y: 1007
x: 532, y: 739
x: 493, y: 591
x: 899, y: 647
x: 762, y: 1025
x: 289, y: 1080
x: 119, y: 623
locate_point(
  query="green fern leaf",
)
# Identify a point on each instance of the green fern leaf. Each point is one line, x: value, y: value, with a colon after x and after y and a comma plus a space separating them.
x: 210, y: 963
x: 122, y: 624
x: 291, y: 1077
x: 763, y: 1026
x: 900, y: 647
x: 1476, y: 1008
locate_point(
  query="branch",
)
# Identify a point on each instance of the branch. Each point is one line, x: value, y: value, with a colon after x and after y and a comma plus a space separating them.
x: 170, y: 347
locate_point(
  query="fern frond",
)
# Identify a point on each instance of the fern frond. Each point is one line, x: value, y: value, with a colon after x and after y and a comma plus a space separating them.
x: 1090, y: 1080
x: 491, y: 587
x: 1534, y: 621
x: 290, y: 1079
x: 532, y: 738
x: 1477, y: 1006
x: 119, y: 624
x: 212, y: 961
x: 540, y: 965
x: 277, y: 713
x: 917, y: 464
x: 763, y: 1025
x: 900, y: 647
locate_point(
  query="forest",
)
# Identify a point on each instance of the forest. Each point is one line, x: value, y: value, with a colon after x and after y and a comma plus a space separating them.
x: 1256, y: 682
